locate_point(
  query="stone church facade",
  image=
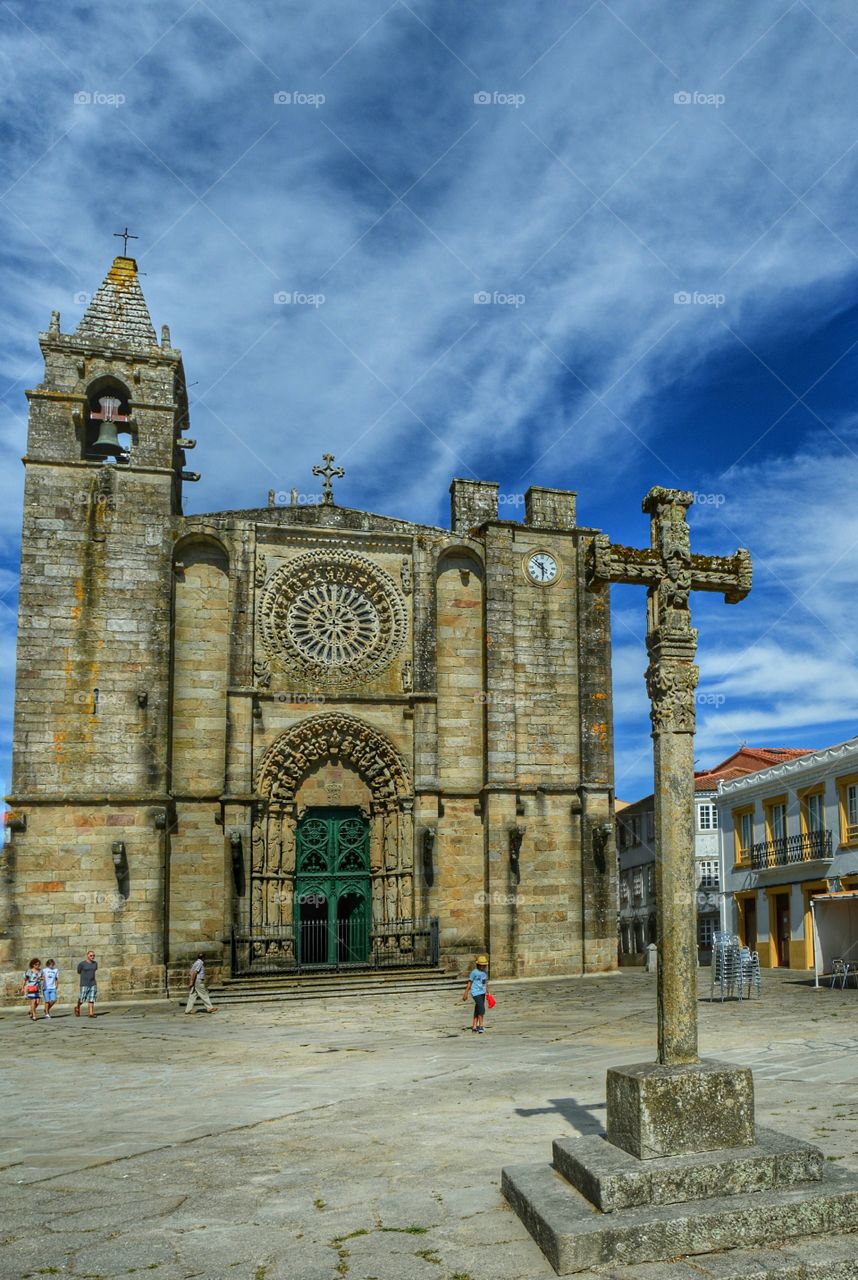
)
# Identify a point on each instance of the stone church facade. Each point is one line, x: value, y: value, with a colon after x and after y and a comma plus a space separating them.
x: 264, y: 727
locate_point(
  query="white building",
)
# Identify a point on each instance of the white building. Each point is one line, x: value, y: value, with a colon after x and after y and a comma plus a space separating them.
x: 787, y: 833
x: 637, y: 854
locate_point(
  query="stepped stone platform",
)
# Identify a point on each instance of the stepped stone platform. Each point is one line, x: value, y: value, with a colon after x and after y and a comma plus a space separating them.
x: 331, y: 985
x: 808, y: 1258
x: 612, y: 1179
x: 598, y: 1206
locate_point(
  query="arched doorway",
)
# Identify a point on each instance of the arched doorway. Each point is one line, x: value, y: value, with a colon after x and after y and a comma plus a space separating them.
x: 333, y: 897
x: 340, y: 892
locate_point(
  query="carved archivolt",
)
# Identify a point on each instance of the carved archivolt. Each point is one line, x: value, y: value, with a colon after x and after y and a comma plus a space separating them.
x: 331, y: 618
x: 336, y: 737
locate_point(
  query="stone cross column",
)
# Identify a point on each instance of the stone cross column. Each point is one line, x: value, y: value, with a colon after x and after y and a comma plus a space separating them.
x: 670, y: 572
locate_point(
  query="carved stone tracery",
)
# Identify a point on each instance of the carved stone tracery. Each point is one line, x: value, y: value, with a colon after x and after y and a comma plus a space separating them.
x: 332, y: 618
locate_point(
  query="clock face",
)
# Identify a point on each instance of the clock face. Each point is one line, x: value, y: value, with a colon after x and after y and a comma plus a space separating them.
x: 541, y: 568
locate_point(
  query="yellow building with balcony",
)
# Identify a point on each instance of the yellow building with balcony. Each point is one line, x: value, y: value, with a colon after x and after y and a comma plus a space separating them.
x: 787, y: 833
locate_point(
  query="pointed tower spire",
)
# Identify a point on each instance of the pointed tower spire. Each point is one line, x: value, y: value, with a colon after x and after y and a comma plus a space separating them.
x: 118, y: 315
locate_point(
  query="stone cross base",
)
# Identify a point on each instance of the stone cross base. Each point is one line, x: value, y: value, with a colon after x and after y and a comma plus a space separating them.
x: 598, y: 1206
x: 670, y: 1111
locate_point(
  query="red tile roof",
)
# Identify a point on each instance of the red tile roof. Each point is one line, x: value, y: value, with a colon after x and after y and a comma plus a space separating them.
x: 745, y: 760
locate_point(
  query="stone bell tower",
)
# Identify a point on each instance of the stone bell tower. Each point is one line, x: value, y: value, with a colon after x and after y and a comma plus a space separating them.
x: 104, y: 471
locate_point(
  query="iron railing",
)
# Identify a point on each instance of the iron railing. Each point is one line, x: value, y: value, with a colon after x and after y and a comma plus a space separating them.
x: 787, y: 850
x: 316, y: 946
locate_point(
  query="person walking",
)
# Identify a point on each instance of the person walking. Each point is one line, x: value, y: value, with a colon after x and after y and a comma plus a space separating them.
x: 50, y: 978
x: 31, y: 986
x: 477, y: 988
x: 198, y: 987
x: 88, y: 991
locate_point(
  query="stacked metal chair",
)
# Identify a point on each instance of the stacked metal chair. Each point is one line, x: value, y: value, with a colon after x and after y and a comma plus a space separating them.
x: 749, y: 971
x: 725, y: 965
x: 733, y: 966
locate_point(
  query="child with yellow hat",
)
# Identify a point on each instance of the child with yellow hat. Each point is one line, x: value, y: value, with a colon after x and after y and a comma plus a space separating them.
x: 477, y: 988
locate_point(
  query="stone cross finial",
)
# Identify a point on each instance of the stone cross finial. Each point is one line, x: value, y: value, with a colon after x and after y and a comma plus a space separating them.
x: 669, y: 571
x: 328, y: 472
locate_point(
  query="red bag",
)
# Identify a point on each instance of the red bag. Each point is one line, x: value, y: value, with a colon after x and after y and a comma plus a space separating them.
x: 490, y: 1000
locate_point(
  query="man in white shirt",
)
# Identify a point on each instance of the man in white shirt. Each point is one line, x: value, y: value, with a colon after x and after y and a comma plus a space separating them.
x: 198, y: 987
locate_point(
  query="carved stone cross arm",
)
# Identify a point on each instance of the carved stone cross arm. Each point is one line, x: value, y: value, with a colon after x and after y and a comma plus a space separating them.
x: 669, y: 556
x: 610, y: 562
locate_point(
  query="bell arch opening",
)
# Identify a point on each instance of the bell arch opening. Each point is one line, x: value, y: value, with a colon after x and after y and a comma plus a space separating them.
x: 108, y: 434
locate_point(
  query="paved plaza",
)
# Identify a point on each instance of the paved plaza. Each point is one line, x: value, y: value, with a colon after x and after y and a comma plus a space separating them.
x: 313, y: 1140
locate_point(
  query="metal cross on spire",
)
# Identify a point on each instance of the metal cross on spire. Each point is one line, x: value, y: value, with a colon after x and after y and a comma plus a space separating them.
x: 328, y: 472
x: 125, y: 236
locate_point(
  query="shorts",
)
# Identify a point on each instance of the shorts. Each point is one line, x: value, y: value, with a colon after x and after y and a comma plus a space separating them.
x: 479, y: 1006
x: 87, y: 995
x: 50, y: 995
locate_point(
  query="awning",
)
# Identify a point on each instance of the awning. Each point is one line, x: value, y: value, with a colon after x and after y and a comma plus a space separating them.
x: 835, y: 930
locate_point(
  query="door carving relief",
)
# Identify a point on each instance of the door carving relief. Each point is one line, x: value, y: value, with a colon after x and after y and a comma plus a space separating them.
x: 388, y: 818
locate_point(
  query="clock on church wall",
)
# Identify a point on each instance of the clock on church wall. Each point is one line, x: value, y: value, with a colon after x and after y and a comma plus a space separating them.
x: 332, y: 618
x: 541, y: 568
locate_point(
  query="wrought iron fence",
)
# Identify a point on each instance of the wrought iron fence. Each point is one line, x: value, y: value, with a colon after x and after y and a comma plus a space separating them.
x: 315, y: 946
x: 789, y: 849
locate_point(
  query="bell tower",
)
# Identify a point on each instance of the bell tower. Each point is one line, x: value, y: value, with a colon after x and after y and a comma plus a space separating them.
x: 104, y: 469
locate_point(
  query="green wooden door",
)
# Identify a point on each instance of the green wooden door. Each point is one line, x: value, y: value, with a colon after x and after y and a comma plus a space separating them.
x: 333, y: 907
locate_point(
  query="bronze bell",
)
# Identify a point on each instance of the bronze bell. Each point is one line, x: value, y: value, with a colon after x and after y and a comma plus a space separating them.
x: 107, y: 445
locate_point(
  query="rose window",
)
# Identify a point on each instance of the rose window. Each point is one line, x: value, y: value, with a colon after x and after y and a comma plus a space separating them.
x: 333, y: 623
x: 331, y: 617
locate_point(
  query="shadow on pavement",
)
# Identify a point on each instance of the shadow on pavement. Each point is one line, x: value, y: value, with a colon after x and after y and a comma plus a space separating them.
x: 579, y: 1117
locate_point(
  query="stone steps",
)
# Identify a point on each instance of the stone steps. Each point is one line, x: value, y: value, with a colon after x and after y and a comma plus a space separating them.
x: 612, y: 1179
x: 575, y: 1236
x: 315, y: 986
x: 804, y: 1258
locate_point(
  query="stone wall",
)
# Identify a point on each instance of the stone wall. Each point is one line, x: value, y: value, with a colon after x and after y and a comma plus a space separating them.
x: 69, y: 899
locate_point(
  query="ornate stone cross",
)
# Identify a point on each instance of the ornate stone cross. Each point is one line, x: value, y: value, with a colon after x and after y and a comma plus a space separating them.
x: 670, y: 572
x: 328, y: 472
x: 683, y: 1148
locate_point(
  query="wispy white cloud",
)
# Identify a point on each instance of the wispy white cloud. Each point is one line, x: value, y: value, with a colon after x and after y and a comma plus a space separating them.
x: 597, y: 199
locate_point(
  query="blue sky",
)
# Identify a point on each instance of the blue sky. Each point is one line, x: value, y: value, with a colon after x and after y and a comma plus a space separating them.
x: 587, y: 166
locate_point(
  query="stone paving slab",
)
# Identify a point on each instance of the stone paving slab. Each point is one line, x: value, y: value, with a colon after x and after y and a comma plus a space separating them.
x: 298, y: 1124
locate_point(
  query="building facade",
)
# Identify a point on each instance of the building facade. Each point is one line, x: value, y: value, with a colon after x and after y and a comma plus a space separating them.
x: 637, y: 855
x: 636, y: 878
x: 291, y: 723
x: 788, y: 832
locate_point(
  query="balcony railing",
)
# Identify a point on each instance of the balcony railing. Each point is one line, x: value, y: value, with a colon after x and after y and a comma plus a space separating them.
x: 787, y: 850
